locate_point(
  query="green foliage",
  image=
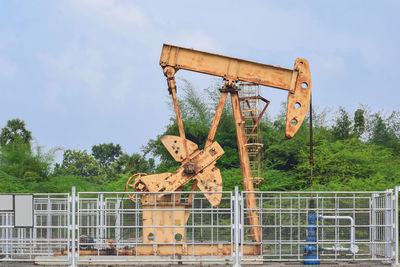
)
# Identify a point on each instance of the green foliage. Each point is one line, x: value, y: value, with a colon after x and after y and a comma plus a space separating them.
x: 342, y: 128
x: 381, y: 132
x: 284, y: 154
x: 135, y: 163
x: 10, y: 184
x: 359, y: 122
x: 106, y: 154
x: 193, y: 107
x: 232, y: 178
x: 15, y: 132
x: 17, y: 159
x: 63, y: 184
x: 348, y: 163
x: 275, y: 180
x: 78, y: 163
x: 360, y: 153
x: 196, y: 116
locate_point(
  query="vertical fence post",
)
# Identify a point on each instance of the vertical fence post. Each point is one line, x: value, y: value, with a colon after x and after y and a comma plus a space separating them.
x: 236, y: 226
x: 73, y: 234
x: 388, y: 223
x: 396, y: 225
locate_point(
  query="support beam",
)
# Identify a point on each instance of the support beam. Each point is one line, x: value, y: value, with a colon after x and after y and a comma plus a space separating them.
x: 297, y: 80
x: 229, y: 68
x: 217, y: 118
x: 170, y: 74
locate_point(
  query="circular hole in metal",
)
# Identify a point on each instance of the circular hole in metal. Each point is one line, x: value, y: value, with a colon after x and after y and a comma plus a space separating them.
x: 178, y: 237
x: 294, y: 122
x: 297, y: 105
x: 150, y: 237
x: 304, y: 85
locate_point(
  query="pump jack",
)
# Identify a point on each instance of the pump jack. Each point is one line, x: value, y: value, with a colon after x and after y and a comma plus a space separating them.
x: 199, y: 165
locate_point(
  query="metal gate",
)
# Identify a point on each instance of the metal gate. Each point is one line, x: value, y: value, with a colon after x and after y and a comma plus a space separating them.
x: 383, y: 221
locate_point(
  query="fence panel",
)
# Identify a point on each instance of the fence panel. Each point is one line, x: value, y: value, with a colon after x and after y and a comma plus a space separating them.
x: 184, y: 227
x: 48, y: 238
x: 178, y: 227
x: 349, y: 226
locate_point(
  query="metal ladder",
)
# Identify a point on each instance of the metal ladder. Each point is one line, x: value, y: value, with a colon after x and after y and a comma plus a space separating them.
x: 251, y: 110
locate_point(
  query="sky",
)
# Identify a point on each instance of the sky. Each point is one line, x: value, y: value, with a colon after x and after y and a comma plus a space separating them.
x: 85, y: 72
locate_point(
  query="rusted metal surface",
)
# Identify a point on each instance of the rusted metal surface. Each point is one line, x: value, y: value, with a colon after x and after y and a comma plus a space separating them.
x: 296, y: 81
x: 245, y: 166
x: 130, y: 184
x: 256, y: 120
x: 165, y: 250
x: 298, y: 98
x: 252, y: 112
x: 233, y: 70
x: 199, y: 165
x: 217, y: 118
x: 172, y: 214
x: 175, y: 146
x: 229, y: 68
x: 205, y: 172
x: 169, y: 73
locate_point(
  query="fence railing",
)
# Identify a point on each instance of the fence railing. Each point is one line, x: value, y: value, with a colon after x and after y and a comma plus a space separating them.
x: 185, y: 227
x: 181, y: 229
x: 50, y: 234
x: 349, y: 226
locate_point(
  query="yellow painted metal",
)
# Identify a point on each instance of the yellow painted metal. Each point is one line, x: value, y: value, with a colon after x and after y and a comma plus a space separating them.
x: 199, y: 165
x: 297, y: 81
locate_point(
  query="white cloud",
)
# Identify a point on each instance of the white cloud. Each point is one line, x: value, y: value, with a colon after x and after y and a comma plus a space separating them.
x: 81, y: 65
x: 330, y: 64
x: 119, y: 15
x: 197, y: 40
x: 103, y: 74
x: 52, y: 96
x: 122, y: 87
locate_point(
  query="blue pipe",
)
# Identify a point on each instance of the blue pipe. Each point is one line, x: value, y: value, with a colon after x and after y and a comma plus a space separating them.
x: 310, y: 251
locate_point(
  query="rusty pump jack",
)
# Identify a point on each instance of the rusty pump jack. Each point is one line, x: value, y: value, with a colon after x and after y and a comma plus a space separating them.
x: 199, y: 165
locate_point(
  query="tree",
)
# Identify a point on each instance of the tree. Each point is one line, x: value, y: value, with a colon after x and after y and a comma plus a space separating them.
x: 79, y: 163
x: 135, y: 163
x: 18, y: 160
x: 359, y: 122
x: 15, y: 132
x: 349, y: 165
x: 342, y: 128
x: 192, y: 105
x: 381, y: 133
x: 106, y: 154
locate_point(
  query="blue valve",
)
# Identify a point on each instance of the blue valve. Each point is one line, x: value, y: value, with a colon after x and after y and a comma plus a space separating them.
x: 310, y: 251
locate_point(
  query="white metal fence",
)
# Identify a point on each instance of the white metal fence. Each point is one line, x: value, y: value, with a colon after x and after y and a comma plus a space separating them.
x: 184, y: 227
x: 115, y: 228
x: 350, y: 226
x: 50, y: 235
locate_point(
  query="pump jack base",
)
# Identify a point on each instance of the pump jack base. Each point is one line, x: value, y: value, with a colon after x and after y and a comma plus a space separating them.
x: 170, y: 250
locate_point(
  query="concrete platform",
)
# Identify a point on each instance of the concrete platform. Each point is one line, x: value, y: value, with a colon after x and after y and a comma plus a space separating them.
x: 271, y: 264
